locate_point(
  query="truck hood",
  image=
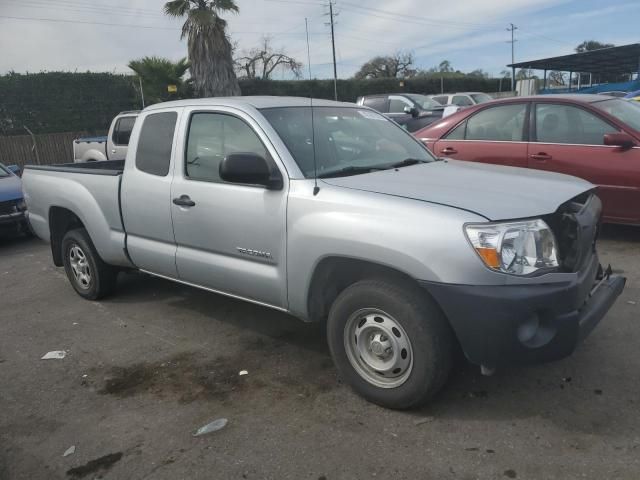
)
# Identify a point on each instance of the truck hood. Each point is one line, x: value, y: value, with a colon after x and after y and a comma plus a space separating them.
x: 10, y: 188
x: 493, y: 191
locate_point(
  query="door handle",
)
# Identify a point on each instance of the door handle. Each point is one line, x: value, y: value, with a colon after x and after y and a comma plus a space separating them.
x: 541, y: 156
x: 184, y: 201
x: 113, y: 150
x: 449, y: 151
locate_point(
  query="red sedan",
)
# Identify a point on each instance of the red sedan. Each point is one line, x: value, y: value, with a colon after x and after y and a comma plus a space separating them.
x: 589, y: 136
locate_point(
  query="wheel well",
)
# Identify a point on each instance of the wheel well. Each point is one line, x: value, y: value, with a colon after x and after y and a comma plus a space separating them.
x: 332, y: 275
x: 61, y: 220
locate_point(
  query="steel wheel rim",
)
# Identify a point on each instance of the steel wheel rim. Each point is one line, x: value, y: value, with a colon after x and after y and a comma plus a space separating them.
x: 378, y: 348
x: 80, y: 267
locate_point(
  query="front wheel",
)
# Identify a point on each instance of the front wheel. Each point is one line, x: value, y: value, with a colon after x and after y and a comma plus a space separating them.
x: 89, y: 275
x: 390, y: 342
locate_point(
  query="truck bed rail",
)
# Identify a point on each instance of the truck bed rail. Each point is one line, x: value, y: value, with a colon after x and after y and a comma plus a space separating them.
x: 107, y: 167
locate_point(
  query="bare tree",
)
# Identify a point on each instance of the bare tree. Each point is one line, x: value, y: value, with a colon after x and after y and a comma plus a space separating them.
x: 557, y: 78
x: 397, y: 65
x: 261, y: 62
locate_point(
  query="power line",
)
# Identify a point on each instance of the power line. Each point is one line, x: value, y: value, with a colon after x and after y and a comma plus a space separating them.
x: 413, y: 18
x: 61, y: 20
x: 131, y: 25
x: 298, y: 2
x: 95, y: 8
x: 529, y: 33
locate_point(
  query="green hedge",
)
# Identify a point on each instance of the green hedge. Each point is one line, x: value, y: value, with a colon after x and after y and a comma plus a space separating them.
x: 65, y: 102
x: 62, y: 102
x: 349, y: 90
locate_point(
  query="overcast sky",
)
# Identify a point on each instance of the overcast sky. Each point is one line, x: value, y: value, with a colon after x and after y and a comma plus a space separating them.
x: 82, y: 35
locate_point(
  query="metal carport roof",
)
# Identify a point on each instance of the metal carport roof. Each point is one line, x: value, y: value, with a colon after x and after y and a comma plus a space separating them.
x: 612, y: 60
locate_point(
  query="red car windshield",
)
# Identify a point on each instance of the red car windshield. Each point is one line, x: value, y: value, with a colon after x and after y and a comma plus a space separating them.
x: 625, y: 111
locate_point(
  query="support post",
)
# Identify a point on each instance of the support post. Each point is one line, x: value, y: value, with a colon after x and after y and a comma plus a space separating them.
x: 545, y: 79
x: 570, y: 80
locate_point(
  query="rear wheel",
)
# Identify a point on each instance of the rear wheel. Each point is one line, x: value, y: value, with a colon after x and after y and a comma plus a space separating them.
x: 390, y: 342
x: 89, y: 275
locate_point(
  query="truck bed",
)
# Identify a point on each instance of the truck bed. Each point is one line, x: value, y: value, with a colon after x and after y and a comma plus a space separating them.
x: 90, y: 191
x: 106, y: 167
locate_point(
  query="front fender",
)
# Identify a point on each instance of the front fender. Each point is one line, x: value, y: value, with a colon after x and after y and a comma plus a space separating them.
x: 422, y: 240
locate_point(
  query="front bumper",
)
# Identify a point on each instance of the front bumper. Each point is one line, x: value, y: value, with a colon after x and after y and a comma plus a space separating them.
x: 527, y: 323
x: 13, y: 222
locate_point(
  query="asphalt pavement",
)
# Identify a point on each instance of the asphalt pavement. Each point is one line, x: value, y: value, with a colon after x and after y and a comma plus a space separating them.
x: 146, y: 368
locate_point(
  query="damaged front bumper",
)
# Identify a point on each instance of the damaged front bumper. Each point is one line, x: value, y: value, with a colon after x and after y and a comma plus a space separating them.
x: 541, y: 319
x: 532, y: 323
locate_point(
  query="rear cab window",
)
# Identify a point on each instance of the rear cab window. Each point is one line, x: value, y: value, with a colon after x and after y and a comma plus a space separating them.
x: 122, y: 131
x: 377, y: 103
x: 155, y: 143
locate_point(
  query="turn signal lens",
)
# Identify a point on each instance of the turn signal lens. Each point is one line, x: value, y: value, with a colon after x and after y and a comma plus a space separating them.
x: 489, y: 256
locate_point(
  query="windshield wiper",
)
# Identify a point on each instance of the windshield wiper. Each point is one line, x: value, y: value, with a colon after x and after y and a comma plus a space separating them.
x: 351, y: 170
x: 407, y: 162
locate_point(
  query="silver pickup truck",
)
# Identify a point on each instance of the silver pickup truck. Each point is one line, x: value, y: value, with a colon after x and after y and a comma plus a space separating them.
x: 113, y: 146
x: 335, y: 213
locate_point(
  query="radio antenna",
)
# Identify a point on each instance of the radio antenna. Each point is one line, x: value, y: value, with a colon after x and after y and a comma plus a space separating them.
x: 316, y: 188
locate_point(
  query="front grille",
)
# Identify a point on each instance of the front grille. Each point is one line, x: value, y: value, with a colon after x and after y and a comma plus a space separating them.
x: 8, y: 207
x: 576, y: 225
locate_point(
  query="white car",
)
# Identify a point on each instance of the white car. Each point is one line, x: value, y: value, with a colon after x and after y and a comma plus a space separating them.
x: 462, y: 99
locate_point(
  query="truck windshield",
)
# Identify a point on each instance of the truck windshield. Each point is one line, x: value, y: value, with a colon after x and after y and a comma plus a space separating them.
x: 481, y: 97
x: 350, y: 140
x: 3, y: 171
x: 425, y: 103
x: 624, y: 110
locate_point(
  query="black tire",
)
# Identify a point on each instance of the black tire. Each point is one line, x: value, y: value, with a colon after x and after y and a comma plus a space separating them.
x: 429, y: 334
x: 102, y: 277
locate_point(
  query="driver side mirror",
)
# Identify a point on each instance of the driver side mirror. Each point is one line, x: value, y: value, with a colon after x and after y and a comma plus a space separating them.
x: 249, y: 168
x: 15, y: 169
x: 413, y: 111
x: 621, y: 140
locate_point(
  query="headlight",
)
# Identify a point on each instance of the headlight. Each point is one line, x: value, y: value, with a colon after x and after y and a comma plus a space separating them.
x: 518, y: 248
x: 21, y: 205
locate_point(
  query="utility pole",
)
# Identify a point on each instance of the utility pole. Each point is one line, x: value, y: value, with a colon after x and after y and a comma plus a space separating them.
x: 513, y: 41
x: 333, y: 47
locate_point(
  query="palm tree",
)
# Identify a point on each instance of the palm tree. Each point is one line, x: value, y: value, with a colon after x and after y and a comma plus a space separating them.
x: 157, y: 74
x: 212, y: 67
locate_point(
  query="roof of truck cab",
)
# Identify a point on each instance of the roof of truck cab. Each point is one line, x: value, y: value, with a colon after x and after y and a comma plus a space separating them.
x: 258, y: 102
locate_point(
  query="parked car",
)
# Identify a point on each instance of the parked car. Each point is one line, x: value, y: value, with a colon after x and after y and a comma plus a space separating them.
x: 12, y: 204
x: 613, y: 93
x: 634, y: 96
x: 462, y: 99
x: 590, y: 136
x: 110, y: 147
x: 410, y: 110
x: 346, y: 218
